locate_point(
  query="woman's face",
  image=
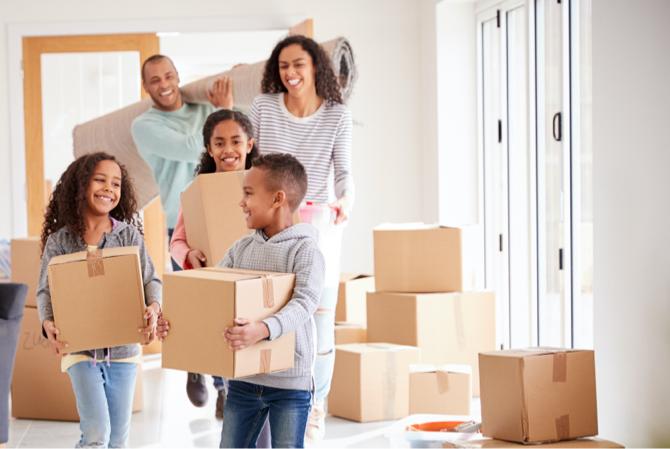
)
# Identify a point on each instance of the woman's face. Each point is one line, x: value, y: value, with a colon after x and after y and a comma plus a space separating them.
x: 296, y: 70
x: 229, y: 146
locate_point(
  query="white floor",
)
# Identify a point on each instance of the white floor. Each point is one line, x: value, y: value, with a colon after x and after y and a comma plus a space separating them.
x: 169, y: 420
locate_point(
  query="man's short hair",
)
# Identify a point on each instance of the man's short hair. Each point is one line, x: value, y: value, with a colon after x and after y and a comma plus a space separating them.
x: 284, y: 172
x: 155, y: 58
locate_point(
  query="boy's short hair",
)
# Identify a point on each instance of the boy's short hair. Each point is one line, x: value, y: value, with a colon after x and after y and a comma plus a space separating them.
x: 284, y: 172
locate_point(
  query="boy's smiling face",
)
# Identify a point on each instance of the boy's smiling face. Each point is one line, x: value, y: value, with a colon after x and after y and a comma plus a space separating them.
x: 258, y: 202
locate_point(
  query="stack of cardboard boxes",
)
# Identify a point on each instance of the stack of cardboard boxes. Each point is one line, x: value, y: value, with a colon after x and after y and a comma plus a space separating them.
x: 425, y: 298
x: 351, y: 314
x: 39, y: 389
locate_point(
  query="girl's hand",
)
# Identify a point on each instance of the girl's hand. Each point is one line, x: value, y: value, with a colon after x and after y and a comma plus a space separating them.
x: 221, y: 93
x: 52, y: 334
x: 245, y: 333
x: 163, y: 327
x: 196, y: 258
x: 339, y: 206
x: 151, y: 318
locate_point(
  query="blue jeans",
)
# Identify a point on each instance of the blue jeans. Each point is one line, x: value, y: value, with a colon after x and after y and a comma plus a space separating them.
x: 324, y: 318
x: 247, y: 407
x: 104, y: 402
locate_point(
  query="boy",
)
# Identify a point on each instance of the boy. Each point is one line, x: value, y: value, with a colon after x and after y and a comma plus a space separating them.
x: 273, y: 190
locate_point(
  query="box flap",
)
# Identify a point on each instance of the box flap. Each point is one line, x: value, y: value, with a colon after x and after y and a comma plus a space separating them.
x: 105, y: 253
x: 362, y: 348
x: 346, y: 277
x: 448, y: 368
x: 531, y: 352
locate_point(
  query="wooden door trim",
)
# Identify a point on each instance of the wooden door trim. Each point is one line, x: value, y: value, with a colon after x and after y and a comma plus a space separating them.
x: 33, y: 48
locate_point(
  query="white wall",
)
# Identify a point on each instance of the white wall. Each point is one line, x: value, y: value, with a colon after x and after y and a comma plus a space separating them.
x: 388, y: 150
x: 631, y: 143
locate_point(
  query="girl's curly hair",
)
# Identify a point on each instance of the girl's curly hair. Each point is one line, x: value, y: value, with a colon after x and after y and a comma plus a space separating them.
x: 68, y: 201
x: 324, y: 75
x: 207, y: 164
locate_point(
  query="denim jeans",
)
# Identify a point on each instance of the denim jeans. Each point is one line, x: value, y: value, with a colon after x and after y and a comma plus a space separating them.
x: 104, y: 401
x: 247, y: 407
x: 324, y: 319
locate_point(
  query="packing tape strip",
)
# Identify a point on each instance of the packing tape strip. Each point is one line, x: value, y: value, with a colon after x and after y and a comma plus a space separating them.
x: 389, y: 386
x: 524, y: 408
x: 458, y: 324
x: 563, y: 427
x: 268, y: 292
x: 442, y: 381
x: 94, y: 263
x: 560, y: 366
x: 265, y: 360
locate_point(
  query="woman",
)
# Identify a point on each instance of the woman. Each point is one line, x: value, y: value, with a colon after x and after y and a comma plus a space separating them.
x: 301, y: 112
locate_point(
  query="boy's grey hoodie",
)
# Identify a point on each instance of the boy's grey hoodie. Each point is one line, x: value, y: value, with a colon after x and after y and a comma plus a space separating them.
x: 293, y: 250
x: 65, y: 242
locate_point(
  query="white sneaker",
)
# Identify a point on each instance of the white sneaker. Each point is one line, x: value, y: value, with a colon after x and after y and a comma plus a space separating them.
x: 316, y: 422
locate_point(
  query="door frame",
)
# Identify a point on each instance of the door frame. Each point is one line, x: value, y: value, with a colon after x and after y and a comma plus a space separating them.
x: 16, y: 33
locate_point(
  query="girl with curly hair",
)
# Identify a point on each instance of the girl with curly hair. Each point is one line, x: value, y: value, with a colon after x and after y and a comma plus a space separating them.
x: 229, y: 146
x: 301, y: 112
x: 93, y: 206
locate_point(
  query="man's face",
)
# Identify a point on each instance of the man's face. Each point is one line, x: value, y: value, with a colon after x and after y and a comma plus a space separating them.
x: 161, y: 82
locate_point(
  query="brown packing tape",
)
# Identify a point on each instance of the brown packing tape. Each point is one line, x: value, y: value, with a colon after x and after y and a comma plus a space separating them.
x: 94, y: 263
x: 563, y: 427
x: 458, y: 317
x: 524, y: 408
x: 442, y: 381
x: 560, y: 366
x: 389, y: 388
x: 265, y: 360
x: 268, y: 292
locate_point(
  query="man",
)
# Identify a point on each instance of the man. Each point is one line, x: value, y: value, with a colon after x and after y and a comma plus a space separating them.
x: 169, y: 138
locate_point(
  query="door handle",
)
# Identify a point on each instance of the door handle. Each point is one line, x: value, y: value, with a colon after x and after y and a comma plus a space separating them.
x: 557, y: 126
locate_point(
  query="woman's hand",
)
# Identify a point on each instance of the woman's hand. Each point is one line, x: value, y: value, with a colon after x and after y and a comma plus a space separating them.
x: 221, y: 93
x: 245, y: 333
x: 52, y: 334
x: 151, y: 318
x: 339, y: 207
x: 196, y: 258
x: 162, y: 328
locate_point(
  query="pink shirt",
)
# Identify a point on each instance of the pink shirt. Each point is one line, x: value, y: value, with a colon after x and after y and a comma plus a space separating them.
x: 178, y: 245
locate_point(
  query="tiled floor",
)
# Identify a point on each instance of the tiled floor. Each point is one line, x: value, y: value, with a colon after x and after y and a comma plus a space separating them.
x: 169, y: 420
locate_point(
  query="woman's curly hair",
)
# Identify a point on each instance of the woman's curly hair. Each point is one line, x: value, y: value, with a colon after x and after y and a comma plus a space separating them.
x: 324, y: 75
x: 207, y: 164
x: 68, y: 201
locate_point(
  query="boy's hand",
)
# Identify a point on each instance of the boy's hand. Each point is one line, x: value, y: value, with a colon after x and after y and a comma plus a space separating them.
x: 245, y: 333
x: 150, y: 317
x: 196, y: 258
x: 221, y: 93
x: 52, y: 332
x: 163, y: 327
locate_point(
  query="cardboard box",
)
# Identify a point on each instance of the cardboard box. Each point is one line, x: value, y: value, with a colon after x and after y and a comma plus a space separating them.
x: 371, y: 381
x: 39, y: 389
x: 26, y: 262
x: 346, y: 333
x: 538, y: 394
x: 440, y: 389
x: 427, y: 258
x: 201, y: 303
x: 212, y: 215
x: 351, y: 297
x: 448, y: 327
x: 578, y: 443
x: 89, y: 288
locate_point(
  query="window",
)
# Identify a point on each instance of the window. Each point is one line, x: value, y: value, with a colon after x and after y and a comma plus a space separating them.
x: 534, y: 99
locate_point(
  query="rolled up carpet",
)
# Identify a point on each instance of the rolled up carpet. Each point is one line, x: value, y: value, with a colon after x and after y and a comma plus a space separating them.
x: 111, y: 132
